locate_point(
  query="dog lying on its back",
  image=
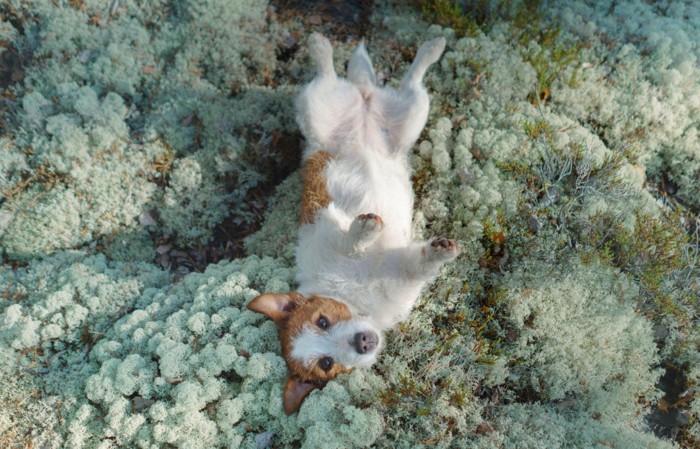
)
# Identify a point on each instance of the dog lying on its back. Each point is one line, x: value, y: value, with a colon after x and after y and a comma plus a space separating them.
x: 359, y: 269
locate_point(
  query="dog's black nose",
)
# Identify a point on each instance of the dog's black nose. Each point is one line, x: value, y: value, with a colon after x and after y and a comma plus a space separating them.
x: 366, y: 342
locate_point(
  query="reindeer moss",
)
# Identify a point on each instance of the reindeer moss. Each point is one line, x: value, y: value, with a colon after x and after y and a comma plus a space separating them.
x: 561, y: 152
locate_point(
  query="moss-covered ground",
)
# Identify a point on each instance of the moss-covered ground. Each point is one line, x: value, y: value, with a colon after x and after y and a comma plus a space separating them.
x: 149, y: 189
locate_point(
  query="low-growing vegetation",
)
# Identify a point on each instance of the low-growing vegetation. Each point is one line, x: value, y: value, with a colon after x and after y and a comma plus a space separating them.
x: 149, y: 190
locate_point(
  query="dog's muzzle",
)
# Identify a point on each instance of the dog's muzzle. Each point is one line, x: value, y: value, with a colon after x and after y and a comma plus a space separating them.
x: 365, y: 342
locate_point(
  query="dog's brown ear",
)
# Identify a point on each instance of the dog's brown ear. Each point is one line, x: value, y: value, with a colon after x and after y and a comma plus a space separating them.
x: 295, y: 391
x: 275, y: 305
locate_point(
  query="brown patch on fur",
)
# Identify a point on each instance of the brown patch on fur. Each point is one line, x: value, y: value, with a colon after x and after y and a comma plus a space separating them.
x: 276, y: 306
x: 308, y: 312
x: 315, y: 194
x: 295, y: 391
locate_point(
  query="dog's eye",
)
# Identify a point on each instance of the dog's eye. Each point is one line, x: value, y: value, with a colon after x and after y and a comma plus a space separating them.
x: 323, y: 322
x: 326, y: 363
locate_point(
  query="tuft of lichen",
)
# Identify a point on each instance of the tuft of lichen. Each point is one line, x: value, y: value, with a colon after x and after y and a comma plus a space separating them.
x: 558, y: 323
x: 112, y: 95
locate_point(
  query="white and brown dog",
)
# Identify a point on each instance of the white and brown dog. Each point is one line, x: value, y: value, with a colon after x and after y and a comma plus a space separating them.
x: 359, y: 269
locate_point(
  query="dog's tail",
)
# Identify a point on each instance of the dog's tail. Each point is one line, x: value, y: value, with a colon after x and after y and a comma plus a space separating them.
x: 360, y: 71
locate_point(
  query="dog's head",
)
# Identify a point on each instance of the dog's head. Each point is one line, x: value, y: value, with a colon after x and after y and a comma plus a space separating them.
x: 320, y: 339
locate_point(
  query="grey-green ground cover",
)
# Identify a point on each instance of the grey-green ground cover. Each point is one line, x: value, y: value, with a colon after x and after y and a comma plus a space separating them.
x: 562, y: 151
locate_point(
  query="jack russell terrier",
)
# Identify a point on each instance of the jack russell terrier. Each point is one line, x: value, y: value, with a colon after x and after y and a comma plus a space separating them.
x: 359, y: 269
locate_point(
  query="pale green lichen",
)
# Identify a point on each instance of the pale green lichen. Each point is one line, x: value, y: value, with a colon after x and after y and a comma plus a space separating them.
x: 535, y: 426
x: 79, y: 169
x: 559, y: 323
x: 184, y: 366
x: 191, y: 207
x: 544, y: 333
x: 26, y: 418
x: 67, y: 300
x: 348, y: 426
x: 8, y: 33
x: 116, y: 90
x: 638, y: 91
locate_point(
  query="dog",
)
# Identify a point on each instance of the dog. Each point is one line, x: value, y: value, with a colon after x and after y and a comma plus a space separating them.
x: 359, y: 269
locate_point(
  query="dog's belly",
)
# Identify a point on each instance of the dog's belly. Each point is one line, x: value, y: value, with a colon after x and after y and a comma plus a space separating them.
x: 360, y: 183
x: 377, y: 184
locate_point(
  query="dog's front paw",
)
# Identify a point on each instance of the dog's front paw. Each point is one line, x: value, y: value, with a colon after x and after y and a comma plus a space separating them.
x: 364, y: 231
x: 443, y: 249
x: 370, y: 222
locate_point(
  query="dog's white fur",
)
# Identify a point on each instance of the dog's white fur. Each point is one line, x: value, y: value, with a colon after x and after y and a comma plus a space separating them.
x: 375, y: 268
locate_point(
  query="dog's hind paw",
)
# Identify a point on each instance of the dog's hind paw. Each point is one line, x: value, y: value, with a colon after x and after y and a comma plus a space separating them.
x: 430, y: 51
x: 321, y: 51
x: 427, y: 54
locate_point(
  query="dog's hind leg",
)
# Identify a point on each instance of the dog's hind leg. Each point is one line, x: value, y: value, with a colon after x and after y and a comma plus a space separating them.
x: 427, y: 55
x: 328, y: 107
x: 321, y: 51
x: 405, y: 110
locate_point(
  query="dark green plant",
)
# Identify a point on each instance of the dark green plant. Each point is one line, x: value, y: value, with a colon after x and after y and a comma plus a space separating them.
x: 661, y: 256
x: 450, y: 14
x: 550, y: 61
